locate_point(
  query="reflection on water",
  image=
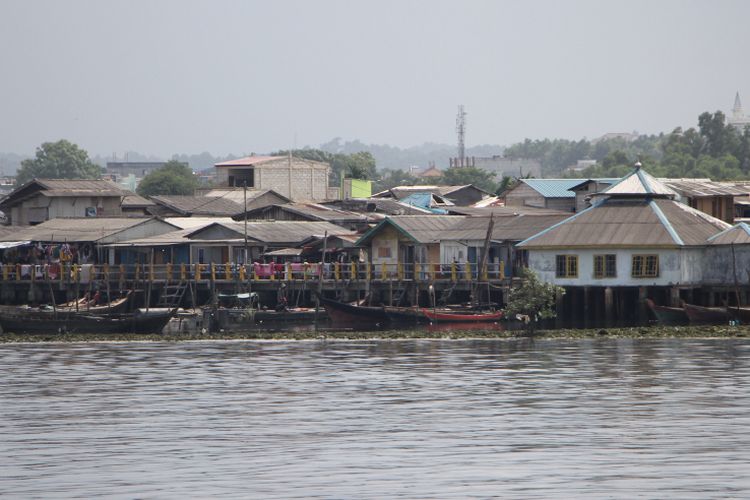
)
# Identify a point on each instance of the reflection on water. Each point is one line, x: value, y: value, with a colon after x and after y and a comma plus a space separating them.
x: 377, y: 419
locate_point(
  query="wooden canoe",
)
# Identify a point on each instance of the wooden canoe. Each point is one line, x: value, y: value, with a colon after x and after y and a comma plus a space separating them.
x: 706, y: 315
x: 668, y: 315
x: 462, y: 317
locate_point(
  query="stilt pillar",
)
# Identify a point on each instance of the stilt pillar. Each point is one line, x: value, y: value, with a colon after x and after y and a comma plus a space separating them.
x: 586, y: 306
x: 642, y: 296
x: 674, y: 297
x: 609, y: 303
x: 559, y: 309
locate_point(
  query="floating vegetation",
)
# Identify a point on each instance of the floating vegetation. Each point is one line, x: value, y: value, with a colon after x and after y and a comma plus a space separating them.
x: 445, y: 332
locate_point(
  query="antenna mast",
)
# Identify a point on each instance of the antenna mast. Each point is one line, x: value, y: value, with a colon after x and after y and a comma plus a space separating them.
x: 461, y: 132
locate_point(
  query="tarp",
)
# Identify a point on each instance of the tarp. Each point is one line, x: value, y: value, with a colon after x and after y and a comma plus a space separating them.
x: 12, y: 244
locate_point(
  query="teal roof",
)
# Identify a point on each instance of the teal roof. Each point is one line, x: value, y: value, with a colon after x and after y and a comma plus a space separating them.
x: 554, y: 188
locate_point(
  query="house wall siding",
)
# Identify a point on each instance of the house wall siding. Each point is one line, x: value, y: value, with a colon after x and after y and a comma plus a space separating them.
x: 676, y: 266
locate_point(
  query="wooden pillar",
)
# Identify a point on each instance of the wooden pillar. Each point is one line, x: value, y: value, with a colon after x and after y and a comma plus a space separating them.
x: 674, y: 297
x: 642, y: 313
x: 711, y: 298
x: 586, y: 306
x: 608, y: 306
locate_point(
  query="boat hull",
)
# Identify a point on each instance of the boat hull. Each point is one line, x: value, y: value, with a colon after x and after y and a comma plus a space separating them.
x: 49, y: 322
x: 341, y: 313
x: 706, y: 315
x: 466, y: 317
x: 668, y: 315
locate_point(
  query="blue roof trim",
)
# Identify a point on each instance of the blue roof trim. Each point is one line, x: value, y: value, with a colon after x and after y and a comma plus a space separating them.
x: 741, y: 225
x: 594, y: 205
x: 665, y: 222
x: 646, y: 184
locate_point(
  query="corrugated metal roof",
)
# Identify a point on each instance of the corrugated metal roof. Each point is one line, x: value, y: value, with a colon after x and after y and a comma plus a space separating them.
x: 248, y: 161
x: 639, y: 182
x: 199, y: 205
x: 436, y: 228
x: 697, y: 188
x: 739, y: 234
x: 238, y: 194
x: 630, y: 222
x: 76, y: 229
x: 196, y: 222
x: 285, y: 231
x: 553, y: 188
x: 133, y: 201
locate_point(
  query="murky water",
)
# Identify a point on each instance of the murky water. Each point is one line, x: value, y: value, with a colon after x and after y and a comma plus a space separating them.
x: 412, y: 419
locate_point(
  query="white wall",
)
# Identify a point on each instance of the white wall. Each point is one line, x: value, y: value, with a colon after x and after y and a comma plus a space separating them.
x: 676, y: 266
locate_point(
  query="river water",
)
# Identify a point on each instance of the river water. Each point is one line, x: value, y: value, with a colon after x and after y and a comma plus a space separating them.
x: 597, y: 418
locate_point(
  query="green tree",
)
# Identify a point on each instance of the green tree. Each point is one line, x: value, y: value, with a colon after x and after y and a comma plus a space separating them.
x: 359, y: 165
x: 58, y: 160
x: 459, y: 176
x: 533, y: 298
x: 173, y: 178
x: 393, y: 178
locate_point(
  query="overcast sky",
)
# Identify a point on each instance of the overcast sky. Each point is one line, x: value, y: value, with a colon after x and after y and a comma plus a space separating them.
x: 164, y: 77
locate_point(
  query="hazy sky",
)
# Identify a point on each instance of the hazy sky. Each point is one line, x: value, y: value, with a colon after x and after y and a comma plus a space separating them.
x: 164, y: 77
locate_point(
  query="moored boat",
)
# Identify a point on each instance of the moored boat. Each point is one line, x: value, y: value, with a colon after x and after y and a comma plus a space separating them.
x: 668, y: 315
x: 26, y: 320
x: 706, y: 315
x: 345, y: 314
x: 447, y: 316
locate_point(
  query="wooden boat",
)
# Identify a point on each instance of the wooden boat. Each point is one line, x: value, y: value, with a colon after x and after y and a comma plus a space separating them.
x: 668, y: 315
x: 405, y: 315
x: 28, y: 320
x: 448, y: 316
x: 706, y: 315
x: 741, y: 313
x: 342, y: 313
x: 116, y: 306
x: 235, y: 319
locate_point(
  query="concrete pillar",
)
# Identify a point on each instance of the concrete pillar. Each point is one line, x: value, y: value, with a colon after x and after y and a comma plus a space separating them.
x: 609, y: 303
x: 621, y: 305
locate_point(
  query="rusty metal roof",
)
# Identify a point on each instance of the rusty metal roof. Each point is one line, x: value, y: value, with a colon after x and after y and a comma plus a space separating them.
x: 198, y: 205
x: 78, y: 229
x: 739, y: 234
x: 701, y: 188
x: 630, y: 223
x: 426, y: 229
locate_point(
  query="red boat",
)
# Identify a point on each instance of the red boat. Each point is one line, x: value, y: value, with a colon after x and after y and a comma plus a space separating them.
x: 462, y: 317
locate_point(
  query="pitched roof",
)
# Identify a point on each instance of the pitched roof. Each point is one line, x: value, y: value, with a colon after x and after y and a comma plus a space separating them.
x: 198, y: 205
x: 238, y: 194
x: 400, y: 192
x: 435, y: 228
x: 553, y: 188
x: 275, y: 232
x: 739, y: 234
x: 316, y: 211
x: 78, y: 229
x: 618, y: 222
x: 701, y: 188
x: 639, y: 183
x: 64, y: 188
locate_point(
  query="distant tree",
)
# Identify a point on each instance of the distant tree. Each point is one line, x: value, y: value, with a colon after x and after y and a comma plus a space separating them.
x: 469, y: 175
x: 533, y: 298
x: 358, y: 165
x: 58, y: 160
x: 393, y: 178
x: 173, y: 178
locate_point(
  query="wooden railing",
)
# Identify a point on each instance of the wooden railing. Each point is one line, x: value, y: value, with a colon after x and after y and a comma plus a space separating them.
x: 231, y: 272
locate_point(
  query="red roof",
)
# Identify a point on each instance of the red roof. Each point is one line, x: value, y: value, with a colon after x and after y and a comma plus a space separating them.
x: 247, y: 161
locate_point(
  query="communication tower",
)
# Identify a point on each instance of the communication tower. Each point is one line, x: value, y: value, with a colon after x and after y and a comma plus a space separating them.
x: 461, y: 131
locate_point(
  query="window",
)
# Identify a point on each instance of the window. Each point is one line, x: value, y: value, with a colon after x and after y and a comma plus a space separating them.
x: 567, y: 266
x: 605, y: 266
x: 645, y: 266
x: 384, y: 252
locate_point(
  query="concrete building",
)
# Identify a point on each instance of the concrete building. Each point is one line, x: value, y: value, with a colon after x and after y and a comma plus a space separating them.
x: 295, y: 178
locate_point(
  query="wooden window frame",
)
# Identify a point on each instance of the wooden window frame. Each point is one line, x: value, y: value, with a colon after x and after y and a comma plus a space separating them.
x: 645, y: 266
x: 605, y: 266
x: 566, y: 266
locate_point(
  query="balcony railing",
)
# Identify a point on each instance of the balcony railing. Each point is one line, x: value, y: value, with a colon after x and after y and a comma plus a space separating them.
x: 232, y: 272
